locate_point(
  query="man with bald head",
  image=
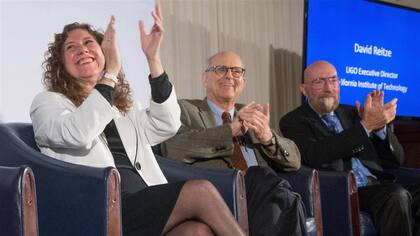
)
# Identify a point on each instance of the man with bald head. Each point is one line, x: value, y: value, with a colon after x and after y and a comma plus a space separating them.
x: 338, y: 137
x: 216, y: 130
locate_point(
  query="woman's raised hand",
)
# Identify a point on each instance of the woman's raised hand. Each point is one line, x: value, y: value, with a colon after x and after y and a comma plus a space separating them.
x: 150, y: 42
x: 110, y: 49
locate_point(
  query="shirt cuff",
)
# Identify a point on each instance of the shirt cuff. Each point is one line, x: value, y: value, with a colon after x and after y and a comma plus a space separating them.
x: 367, y: 131
x: 381, y: 133
x: 161, y: 88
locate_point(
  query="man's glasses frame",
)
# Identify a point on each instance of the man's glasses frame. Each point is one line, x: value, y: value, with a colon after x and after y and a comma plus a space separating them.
x: 320, y: 82
x: 236, y: 71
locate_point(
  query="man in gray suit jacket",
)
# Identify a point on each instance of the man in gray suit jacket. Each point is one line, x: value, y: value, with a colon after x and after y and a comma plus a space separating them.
x: 202, y: 142
x: 205, y: 140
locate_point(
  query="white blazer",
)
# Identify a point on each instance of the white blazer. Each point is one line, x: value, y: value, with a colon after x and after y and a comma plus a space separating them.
x: 74, y: 134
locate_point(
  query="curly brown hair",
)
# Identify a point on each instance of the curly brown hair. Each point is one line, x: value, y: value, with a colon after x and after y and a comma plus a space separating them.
x: 57, y: 79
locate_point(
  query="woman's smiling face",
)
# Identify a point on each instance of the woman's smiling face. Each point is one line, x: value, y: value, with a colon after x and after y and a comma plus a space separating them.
x: 83, y: 56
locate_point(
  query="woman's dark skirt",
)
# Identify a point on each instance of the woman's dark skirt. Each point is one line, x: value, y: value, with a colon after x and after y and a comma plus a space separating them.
x: 146, y: 212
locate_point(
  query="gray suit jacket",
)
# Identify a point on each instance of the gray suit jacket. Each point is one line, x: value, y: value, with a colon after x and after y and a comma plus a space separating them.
x: 201, y: 143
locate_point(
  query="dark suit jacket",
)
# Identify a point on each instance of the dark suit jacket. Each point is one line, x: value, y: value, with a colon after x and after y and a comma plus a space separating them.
x: 323, y: 149
x: 200, y: 142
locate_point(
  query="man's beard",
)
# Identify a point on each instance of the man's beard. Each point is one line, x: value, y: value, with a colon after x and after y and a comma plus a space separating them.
x: 328, y: 104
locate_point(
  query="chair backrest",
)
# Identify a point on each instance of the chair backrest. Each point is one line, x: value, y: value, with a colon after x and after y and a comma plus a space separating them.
x: 305, y: 181
x: 338, y: 192
x: 72, y: 199
x: 340, y: 206
x: 18, y: 205
x: 24, y: 132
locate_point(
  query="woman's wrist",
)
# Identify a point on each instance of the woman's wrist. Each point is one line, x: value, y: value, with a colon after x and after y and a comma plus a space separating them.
x: 106, y: 82
x: 156, y: 68
x: 108, y: 79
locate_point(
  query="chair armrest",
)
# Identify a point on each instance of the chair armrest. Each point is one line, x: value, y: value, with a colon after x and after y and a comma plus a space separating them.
x: 305, y: 181
x: 340, y: 204
x: 72, y: 199
x: 29, y: 203
x: 230, y: 184
x: 18, y: 206
x: 405, y: 175
x: 114, y: 221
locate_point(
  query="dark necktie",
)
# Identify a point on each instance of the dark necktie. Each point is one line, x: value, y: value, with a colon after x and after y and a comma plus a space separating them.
x: 237, y: 159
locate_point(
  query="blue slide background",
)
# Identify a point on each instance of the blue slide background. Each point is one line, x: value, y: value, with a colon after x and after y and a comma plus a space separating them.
x: 333, y: 27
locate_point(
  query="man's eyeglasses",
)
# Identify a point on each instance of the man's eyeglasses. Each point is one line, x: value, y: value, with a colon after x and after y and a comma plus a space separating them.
x: 320, y: 82
x: 236, y: 71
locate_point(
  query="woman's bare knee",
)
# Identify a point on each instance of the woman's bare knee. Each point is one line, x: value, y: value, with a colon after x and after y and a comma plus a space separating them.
x: 200, y: 201
x: 193, y: 202
x: 193, y: 228
x: 200, y: 229
x: 202, y: 188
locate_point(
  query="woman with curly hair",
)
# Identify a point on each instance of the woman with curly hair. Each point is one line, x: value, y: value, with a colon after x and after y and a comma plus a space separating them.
x: 87, y: 117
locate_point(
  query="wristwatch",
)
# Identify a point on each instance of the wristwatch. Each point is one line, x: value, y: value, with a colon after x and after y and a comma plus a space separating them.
x: 110, y: 77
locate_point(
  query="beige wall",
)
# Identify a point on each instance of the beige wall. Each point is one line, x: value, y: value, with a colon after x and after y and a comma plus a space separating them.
x: 268, y: 34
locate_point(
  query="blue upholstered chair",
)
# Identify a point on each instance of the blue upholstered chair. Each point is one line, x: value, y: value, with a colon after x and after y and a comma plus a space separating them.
x: 340, y: 205
x: 306, y: 182
x: 81, y: 200
x: 72, y: 199
x: 18, y: 205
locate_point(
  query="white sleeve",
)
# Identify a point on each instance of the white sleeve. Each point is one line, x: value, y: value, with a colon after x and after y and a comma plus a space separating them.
x: 58, y: 123
x: 160, y: 121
